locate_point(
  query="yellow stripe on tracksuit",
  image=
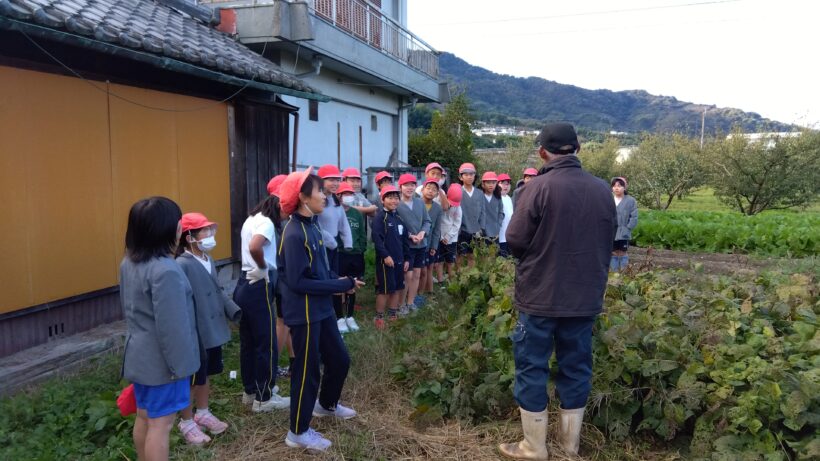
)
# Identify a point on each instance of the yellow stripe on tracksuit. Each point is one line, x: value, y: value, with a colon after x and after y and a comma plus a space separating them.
x: 307, y: 337
x: 384, y: 268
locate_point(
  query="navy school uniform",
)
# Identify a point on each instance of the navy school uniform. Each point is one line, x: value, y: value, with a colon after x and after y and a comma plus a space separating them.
x: 308, y: 285
x: 389, y: 235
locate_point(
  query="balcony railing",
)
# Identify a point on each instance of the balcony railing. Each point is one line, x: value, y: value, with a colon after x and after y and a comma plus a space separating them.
x: 366, y: 22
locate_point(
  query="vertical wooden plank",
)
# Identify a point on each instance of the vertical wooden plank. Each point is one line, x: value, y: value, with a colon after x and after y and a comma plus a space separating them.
x: 239, y: 202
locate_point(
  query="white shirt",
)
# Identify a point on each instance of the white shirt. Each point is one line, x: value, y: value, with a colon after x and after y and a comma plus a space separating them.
x: 451, y: 224
x: 258, y: 224
x: 618, y: 200
x: 506, y: 201
x: 206, y: 263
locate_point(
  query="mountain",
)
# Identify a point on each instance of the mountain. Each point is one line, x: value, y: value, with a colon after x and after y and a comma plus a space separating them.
x: 532, y: 100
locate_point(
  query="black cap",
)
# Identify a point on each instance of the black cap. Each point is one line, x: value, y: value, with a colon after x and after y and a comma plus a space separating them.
x: 558, y: 138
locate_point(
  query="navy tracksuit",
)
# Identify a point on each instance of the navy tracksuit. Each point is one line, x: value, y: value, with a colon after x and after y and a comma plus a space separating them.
x: 389, y: 235
x: 257, y: 335
x: 308, y: 285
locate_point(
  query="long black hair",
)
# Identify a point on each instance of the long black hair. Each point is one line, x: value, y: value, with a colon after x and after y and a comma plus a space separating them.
x: 269, y: 207
x: 152, y: 229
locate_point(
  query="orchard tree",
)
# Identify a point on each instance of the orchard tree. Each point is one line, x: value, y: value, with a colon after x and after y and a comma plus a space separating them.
x: 519, y: 153
x: 449, y: 141
x: 664, y: 167
x: 771, y: 173
x: 599, y: 159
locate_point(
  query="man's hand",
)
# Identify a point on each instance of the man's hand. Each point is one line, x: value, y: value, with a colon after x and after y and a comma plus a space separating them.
x: 388, y: 261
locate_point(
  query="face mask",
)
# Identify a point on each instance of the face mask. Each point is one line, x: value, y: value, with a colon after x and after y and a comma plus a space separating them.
x: 440, y: 182
x: 348, y: 200
x: 207, y: 244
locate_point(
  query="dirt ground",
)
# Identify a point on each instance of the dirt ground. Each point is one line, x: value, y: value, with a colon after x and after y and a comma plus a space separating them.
x: 650, y: 258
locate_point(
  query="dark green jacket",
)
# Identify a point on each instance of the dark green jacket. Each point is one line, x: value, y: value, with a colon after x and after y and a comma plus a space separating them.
x: 357, y: 229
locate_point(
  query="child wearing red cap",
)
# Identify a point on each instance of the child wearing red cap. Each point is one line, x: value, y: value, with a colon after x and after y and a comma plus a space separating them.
x: 493, y: 208
x: 505, y: 183
x: 450, y: 228
x: 351, y: 260
x: 430, y: 192
x: 528, y: 174
x: 434, y: 171
x: 472, y: 213
x: 389, y: 235
x: 360, y: 203
x: 415, y: 218
x: 213, y: 311
x: 308, y: 286
x: 255, y: 295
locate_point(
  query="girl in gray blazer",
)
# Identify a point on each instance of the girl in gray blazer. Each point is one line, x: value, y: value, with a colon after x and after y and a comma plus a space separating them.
x: 627, y: 209
x: 161, y: 347
x: 493, y: 207
x: 213, y: 311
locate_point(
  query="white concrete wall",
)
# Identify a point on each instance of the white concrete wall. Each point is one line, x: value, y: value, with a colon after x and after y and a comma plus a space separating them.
x: 352, y: 106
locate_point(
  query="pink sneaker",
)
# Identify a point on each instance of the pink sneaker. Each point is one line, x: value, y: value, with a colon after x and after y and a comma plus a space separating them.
x: 210, y: 422
x: 192, y: 434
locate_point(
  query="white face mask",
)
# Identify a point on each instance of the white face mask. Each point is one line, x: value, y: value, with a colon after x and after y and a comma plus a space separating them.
x: 440, y: 182
x: 207, y: 244
x: 348, y: 199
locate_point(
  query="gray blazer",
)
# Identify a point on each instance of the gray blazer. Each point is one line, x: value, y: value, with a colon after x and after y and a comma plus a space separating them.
x: 493, y: 216
x: 415, y: 220
x: 433, y: 237
x: 161, y: 345
x: 627, y: 217
x: 213, y: 307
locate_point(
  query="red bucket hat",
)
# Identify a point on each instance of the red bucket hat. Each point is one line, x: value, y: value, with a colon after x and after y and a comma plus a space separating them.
x: 431, y: 181
x: 433, y: 165
x: 388, y: 189
x: 351, y: 173
x: 454, y: 194
x: 489, y: 176
x: 466, y: 168
x: 193, y: 221
x: 329, y: 172
x: 345, y: 188
x: 289, y: 190
x: 383, y: 175
x: 274, y: 183
x: 530, y: 172
x: 407, y: 178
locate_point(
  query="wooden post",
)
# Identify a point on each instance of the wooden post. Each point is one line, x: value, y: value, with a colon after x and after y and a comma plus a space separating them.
x: 361, y: 168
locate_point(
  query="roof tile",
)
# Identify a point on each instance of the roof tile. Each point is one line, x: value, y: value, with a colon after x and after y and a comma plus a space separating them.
x: 153, y: 28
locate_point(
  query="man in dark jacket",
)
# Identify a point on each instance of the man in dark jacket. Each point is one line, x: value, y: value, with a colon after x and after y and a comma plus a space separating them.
x: 561, y: 233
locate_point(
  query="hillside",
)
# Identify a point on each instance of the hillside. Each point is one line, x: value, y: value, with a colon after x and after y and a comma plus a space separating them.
x: 495, y: 97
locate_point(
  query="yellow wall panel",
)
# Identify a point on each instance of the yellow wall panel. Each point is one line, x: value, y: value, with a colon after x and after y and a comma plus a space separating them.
x: 204, y: 179
x: 66, y: 219
x: 73, y: 161
x: 15, y: 270
x: 143, y: 153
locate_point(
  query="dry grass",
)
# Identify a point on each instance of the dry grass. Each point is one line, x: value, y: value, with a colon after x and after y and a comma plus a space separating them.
x: 385, y: 428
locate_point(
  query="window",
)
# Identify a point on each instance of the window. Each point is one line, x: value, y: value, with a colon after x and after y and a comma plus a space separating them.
x: 313, y: 110
x: 374, y: 123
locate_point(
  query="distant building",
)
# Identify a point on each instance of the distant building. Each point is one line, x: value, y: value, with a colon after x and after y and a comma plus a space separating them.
x: 770, y: 137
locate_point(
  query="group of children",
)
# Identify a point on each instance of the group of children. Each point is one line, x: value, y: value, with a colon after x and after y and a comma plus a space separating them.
x: 311, y: 229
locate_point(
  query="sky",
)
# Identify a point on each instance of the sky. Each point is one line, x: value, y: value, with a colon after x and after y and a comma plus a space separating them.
x: 755, y: 55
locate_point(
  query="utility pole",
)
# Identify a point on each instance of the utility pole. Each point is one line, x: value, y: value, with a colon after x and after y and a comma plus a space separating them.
x: 702, y: 126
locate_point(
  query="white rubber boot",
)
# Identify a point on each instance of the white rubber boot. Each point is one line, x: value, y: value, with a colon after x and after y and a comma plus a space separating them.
x: 534, y: 445
x: 569, y: 431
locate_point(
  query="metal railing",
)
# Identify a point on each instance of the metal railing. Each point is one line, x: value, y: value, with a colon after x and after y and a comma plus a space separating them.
x: 366, y: 23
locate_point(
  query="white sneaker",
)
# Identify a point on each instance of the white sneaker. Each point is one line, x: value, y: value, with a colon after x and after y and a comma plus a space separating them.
x: 351, y: 324
x: 309, y: 439
x: 435, y: 280
x: 276, y: 402
x: 404, y: 310
x: 248, y: 399
x: 341, y: 411
x: 342, y: 326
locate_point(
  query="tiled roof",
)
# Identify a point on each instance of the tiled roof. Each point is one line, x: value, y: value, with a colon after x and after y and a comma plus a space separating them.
x: 151, y: 27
